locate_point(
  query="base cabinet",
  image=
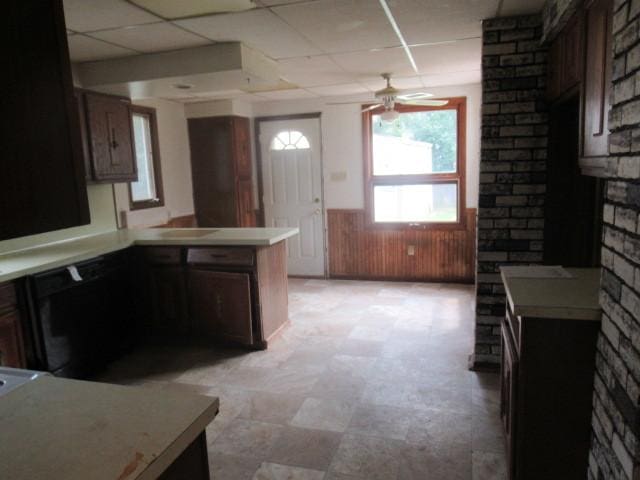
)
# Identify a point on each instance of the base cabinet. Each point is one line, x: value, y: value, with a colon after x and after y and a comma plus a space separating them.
x: 548, y: 368
x: 229, y: 294
x: 220, y: 304
x: 11, y: 344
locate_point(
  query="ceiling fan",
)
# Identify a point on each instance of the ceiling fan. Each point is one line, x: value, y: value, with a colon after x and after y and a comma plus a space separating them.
x: 389, y: 96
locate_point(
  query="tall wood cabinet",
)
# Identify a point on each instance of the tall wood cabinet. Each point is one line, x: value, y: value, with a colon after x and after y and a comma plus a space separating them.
x: 221, y: 170
x: 42, y: 186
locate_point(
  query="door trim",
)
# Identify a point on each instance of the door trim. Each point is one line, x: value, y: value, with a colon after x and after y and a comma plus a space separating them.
x: 260, y: 213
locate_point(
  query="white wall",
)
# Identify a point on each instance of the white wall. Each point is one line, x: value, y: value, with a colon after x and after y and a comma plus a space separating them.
x: 175, y: 159
x: 342, y: 142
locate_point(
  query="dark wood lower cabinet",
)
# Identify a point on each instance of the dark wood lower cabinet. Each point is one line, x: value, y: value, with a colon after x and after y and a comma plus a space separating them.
x: 11, y: 345
x: 548, y: 368
x: 220, y: 304
x: 226, y: 293
x: 192, y: 464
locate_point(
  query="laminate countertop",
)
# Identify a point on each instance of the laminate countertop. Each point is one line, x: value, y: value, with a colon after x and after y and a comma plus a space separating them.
x: 574, y: 297
x: 53, y: 428
x: 37, y: 259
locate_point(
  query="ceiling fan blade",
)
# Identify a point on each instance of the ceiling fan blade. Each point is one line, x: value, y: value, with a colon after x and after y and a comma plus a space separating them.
x: 372, y: 107
x: 426, y: 103
x: 414, y: 96
x: 345, y: 103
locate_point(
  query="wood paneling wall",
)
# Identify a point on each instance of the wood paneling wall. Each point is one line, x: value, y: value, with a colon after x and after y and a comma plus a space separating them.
x: 356, y: 251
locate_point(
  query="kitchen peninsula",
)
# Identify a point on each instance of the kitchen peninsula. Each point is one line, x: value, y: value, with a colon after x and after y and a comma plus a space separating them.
x: 207, y: 285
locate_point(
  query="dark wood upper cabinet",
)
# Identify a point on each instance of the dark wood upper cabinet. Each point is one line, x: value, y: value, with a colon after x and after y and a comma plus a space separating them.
x: 221, y: 170
x: 42, y: 185
x: 108, y: 140
x: 597, y: 79
x: 566, y: 59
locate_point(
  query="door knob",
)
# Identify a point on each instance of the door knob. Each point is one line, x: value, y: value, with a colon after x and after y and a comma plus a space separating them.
x: 318, y: 211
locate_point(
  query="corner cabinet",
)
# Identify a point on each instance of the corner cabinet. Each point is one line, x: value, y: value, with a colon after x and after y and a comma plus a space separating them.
x: 107, y: 137
x: 547, y: 371
x: 42, y: 185
x: 221, y: 170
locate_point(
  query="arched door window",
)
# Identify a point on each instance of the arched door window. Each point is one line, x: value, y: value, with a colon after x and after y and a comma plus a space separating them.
x: 289, y: 140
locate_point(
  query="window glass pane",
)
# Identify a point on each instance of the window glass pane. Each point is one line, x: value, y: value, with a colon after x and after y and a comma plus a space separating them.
x: 144, y: 188
x: 436, y: 202
x: 289, y: 140
x: 415, y: 143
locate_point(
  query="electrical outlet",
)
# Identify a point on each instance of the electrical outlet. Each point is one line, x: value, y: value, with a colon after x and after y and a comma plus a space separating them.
x: 411, y: 250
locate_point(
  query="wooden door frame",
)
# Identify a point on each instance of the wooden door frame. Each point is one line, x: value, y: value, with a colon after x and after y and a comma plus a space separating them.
x: 260, y: 213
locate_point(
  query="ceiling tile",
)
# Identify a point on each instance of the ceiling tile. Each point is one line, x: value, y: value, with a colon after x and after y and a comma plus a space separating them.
x: 426, y: 21
x: 520, y: 7
x: 340, y: 25
x: 154, y: 37
x: 451, y: 57
x: 367, y: 65
x: 453, y: 78
x: 84, y: 16
x: 287, y: 94
x: 84, y: 49
x: 402, y: 83
x: 337, y: 90
x: 313, y: 71
x: 259, y: 29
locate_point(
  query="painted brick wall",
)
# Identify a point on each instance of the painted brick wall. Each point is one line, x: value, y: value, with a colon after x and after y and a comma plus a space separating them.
x: 512, y: 166
x: 616, y: 419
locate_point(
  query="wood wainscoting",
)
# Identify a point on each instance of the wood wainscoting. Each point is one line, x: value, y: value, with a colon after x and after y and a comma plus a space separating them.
x: 358, y: 251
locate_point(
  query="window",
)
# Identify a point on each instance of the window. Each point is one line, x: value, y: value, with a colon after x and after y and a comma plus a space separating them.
x: 414, y: 165
x: 147, y: 191
x: 290, y: 140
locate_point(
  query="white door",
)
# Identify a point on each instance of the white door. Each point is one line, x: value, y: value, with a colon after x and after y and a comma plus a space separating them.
x: 292, y: 188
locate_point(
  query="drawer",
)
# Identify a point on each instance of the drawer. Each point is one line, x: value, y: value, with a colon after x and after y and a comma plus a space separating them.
x: 162, y: 255
x: 221, y: 256
x: 7, y: 296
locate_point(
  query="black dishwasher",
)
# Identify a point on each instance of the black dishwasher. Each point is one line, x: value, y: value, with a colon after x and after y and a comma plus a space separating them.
x: 82, y: 315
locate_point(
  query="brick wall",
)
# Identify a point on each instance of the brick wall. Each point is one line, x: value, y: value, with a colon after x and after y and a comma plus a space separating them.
x: 616, y: 418
x: 512, y: 166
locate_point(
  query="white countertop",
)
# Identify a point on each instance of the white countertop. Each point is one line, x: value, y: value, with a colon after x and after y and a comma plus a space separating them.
x: 59, y: 254
x: 55, y: 428
x: 574, y: 298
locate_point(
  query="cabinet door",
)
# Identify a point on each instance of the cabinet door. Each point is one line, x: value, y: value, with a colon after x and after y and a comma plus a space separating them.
x: 42, y: 186
x: 509, y: 374
x: 572, y: 53
x: 554, y: 69
x: 78, y: 98
x: 597, y: 79
x: 246, y: 214
x: 11, y: 348
x: 109, y: 125
x: 168, y: 298
x: 220, y: 304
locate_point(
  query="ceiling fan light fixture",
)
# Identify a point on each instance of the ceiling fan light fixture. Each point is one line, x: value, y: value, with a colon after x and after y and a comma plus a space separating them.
x: 389, y: 115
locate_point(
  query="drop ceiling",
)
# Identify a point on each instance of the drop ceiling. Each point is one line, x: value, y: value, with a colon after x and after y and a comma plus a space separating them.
x: 321, y: 47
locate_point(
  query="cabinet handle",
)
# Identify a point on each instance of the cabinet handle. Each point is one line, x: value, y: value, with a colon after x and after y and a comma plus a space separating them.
x: 114, y: 143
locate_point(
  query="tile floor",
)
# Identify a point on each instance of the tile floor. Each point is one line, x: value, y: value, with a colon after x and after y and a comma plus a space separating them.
x: 369, y: 381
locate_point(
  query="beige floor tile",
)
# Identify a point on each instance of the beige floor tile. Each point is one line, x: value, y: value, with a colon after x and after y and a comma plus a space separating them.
x: 324, y: 414
x: 434, y: 463
x: 273, y: 471
x: 272, y: 407
x: 381, y: 421
x: 433, y: 427
x: 360, y: 348
x: 488, y: 466
x: 304, y: 447
x: 246, y: 438
x: 367, y: 457
x: 339, y: 387
x: 231, y: 467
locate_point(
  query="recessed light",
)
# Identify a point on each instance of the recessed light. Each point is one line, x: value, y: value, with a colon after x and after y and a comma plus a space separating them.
x: 172, y: 9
